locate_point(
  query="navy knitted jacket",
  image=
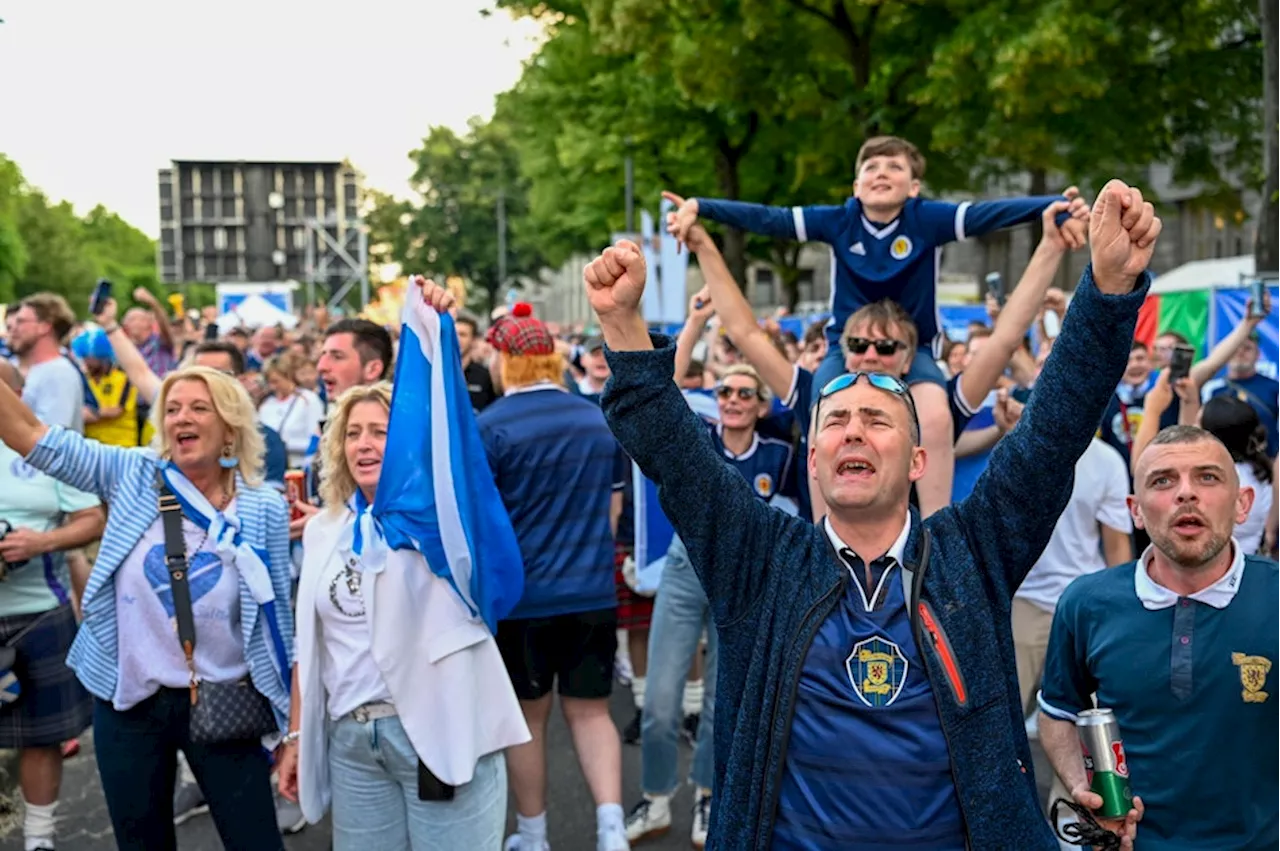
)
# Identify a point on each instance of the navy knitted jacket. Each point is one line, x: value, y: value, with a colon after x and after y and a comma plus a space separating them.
x: 772, y: 579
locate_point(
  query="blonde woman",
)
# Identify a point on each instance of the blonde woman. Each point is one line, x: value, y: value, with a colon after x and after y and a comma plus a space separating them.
x: 208, y: 452
x: 401, y: 704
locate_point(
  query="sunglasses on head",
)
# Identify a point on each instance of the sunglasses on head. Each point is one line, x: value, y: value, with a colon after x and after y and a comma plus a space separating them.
x: 884, y: 348
x: 878, y: 380
x: 746, y: 394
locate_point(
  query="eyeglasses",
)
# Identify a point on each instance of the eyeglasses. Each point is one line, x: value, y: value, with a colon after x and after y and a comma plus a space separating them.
x: 880, y: 381
x: 746, y: 394
x: 884, y: 348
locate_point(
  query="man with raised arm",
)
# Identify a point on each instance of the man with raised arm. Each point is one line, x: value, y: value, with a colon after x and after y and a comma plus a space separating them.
x: 867, y: 661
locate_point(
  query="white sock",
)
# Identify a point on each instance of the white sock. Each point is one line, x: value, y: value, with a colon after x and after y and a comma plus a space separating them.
x: 609, y: 817
x: 38, y: 823
x: 637, y: 690
x: 532, y: 830
x: 692, y: 697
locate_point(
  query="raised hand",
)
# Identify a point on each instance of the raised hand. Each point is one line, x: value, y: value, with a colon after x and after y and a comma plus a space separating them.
x: 435, y: 295
x: 1072, y: 233
x: 107, y: 316
x: 700, y: 306
x: 1122, y: 235
x: 615, y: 281
x: 684, y: 217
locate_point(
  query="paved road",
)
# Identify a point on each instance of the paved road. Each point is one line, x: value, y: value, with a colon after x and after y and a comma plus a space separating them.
x: 83, y: 823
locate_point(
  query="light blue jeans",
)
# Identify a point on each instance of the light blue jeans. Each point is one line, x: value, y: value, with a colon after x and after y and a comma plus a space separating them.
x: 373, y: 772
x: 679, y: 615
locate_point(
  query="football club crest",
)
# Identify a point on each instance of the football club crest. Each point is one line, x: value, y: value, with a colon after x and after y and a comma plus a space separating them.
x: 877, y: 671
x: 1253, y: 676
x: 764, y: 485
x: 900, y: 248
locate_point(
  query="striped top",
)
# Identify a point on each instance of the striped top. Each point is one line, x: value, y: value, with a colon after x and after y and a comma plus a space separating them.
x: 125, y: 480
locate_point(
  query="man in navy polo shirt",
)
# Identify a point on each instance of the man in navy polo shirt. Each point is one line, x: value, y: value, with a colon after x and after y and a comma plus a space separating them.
x: 867, y: 661
x: 1245, y: 382
x: 560, y: 472
x: 1182, y: 646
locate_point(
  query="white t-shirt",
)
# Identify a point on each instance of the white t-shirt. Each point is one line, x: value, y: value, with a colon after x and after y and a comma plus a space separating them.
x: 296, y: 419
x: 150, y: 656
x: 54, y: 391
x: 351, y: 677
x: 1101, y: 486
x: 1249, y: 533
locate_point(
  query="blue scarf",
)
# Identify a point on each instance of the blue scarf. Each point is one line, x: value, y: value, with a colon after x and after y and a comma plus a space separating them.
x: 250, y: 562
x: 436, y: 494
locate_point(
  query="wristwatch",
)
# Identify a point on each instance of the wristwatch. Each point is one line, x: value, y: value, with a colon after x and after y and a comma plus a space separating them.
x: 291, y: 737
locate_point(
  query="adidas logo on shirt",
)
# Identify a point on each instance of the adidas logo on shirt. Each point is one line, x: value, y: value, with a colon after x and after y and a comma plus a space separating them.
x: 857, y: 248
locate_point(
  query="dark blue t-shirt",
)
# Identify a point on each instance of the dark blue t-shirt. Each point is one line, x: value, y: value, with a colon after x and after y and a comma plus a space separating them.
x: 556, y: 465
x: 766, y: 464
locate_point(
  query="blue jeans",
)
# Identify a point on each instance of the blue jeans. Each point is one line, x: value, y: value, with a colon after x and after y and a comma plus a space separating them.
x: 137, y: 761
x: 373, y: 772
x: 679, y: 615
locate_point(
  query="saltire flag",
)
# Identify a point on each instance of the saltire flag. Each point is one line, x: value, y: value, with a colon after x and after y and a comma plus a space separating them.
x: 437, y: 495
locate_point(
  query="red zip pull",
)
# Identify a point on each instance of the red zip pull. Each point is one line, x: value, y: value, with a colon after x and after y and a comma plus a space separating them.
x: 949, y: 665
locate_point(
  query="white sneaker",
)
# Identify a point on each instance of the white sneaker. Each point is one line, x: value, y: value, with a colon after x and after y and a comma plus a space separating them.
x: 651, y: 817
x: 614, y: 839
x: 513, y: 843
x: 701, y: 819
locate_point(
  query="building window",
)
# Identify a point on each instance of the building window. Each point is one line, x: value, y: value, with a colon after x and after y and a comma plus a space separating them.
x: 220, y: 239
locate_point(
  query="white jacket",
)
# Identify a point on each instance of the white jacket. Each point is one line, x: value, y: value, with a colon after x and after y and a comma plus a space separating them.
x: 442, y: 668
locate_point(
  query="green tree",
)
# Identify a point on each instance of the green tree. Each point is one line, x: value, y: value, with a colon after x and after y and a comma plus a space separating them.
x: 1092, y: 92
x: 461, y: 181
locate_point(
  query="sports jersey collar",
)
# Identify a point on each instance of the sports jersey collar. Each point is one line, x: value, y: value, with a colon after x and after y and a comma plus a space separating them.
x: 751, y: 450
x: 529, y: 388
x: 878, y: 231
x: 1219, y: 595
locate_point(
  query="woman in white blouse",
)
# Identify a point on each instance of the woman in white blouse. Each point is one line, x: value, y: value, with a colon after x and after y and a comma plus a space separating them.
x: 414, y: 766
x: 295, y: 413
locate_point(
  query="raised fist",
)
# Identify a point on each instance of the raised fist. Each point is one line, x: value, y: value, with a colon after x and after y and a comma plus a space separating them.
x: 1122, y: 236
x: 615, y: 280
x: 435, y: 295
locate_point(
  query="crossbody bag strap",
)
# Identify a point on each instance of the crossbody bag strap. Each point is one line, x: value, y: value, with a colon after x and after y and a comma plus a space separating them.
x: 175, y: 559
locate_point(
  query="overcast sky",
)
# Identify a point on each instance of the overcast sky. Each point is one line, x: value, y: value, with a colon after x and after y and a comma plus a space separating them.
x: 97, y: 96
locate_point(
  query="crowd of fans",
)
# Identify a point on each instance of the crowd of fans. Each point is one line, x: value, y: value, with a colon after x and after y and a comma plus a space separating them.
x: 272, y: 443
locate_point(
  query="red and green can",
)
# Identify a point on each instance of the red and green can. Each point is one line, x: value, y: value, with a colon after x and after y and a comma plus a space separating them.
x: 1105, y: 761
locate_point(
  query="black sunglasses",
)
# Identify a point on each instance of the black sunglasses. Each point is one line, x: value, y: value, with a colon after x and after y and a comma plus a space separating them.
x: 746, y: 394
x: 880, y: 381
x: 884, y: 348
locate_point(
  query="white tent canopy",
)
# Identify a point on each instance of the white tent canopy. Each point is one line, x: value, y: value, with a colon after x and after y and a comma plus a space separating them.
x: 255, y: 312
x: 1205, y: 274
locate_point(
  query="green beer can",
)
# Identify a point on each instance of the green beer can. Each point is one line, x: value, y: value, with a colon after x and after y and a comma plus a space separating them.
x: 1105, y: 761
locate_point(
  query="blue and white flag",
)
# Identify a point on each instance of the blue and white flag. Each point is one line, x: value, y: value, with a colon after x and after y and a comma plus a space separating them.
x: 437, y: 494
x: 653, y: 531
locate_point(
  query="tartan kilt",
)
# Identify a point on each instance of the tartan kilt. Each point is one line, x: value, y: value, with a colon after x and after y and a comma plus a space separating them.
x: 634, y: 610
x: 53, y: 707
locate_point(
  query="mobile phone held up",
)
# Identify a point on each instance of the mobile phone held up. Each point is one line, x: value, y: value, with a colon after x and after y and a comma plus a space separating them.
x: 101, y: 292
x: 1180, y: 362
x: 995, y: 286
x: 1257, y: 298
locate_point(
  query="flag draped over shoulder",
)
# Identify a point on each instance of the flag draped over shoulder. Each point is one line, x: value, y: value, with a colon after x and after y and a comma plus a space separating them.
x: 437, y: 494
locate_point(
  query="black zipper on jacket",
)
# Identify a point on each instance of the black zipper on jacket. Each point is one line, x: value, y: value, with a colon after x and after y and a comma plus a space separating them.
x: 766, y: 813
